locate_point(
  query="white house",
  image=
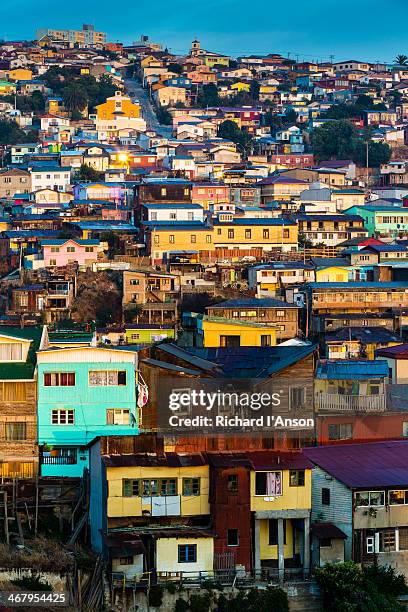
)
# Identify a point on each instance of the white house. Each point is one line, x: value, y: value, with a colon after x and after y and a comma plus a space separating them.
x: 50, y: 177
x: 183, y: 212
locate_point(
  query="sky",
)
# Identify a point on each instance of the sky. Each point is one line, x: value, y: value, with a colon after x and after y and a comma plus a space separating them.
x: 306, y: 29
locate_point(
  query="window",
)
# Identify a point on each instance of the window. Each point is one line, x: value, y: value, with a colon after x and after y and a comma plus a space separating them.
x: 280, y: 313
x: 325, y: 543
x: 153, y: 216
x: 11, y: 352
x: 325, y: 496
x: 248, y: 234
x: 59, y: 379
x: 62, y: 417
x: 265, y: 234
x: 232, y: 537
x: 231, y: 233
x: 134, y: 336
x: 369, y: 498
x: 117, y: 416
x: 232, y: 483
x: 107, y: 378
x: 130, y: 487
x: 54, y: 249
x: 297, y: 397
x: 273, y: 532
x: 70, y: 249
x: 268, y: 483
x: 172, y: 238
x: 266, y: 340
x: 341, y: 431
x: 230, y: 341
x: 53, y: 262
x: 15, y: 431
x: 134, y: 281
x: 156, y: 239
x: 193, y: 238
x: 88, y: 249
x: 208, y: 239
x: 173, y: 216
x: 286, y: 233
x: 397, y: 498
x: 14, y: 391
x: 168, y: 486
x: 187, y: 553
x: 191, y: 486
x: 126, y: 560
x: 297, y: 478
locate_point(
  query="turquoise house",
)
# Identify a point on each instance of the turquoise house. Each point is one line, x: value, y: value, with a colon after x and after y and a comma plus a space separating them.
x: 83, y: 392
x: 381, y: 219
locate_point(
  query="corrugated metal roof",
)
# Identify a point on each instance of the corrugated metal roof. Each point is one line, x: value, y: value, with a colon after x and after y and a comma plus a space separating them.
x: 368, y: 465
x: 343, y: 369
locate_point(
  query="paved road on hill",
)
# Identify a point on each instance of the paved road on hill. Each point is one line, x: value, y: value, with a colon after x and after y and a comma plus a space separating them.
x: 136, y: 92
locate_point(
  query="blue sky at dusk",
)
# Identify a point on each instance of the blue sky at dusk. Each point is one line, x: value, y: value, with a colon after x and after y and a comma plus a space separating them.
x: 347, y: 29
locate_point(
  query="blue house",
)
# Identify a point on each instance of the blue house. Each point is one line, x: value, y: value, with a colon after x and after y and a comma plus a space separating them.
x: 83, y: 393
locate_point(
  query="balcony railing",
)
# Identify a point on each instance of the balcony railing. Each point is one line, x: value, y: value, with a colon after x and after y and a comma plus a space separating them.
x: 357, y: 403
x: 60, y: 457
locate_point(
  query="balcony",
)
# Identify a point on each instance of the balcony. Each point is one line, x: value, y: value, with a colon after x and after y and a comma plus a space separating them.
x: 60, y: 456
x: 350, y: 403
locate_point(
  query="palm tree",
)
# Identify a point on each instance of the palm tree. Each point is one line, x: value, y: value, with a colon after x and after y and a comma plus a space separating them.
x: 75, y: 97
x: 401, y: 60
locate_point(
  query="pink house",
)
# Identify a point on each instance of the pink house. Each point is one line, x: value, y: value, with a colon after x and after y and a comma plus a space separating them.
x: 62, y: 252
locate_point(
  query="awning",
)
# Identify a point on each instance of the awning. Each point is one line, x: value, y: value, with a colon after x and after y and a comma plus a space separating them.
x: 327, y: 530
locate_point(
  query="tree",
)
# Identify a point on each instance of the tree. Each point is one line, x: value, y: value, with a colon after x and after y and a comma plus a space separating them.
x: 345, y: 586
x: 208, y: 96
x: 177, y: 68
x: 341, y: 140
x: 11, y: 133
x: 230, y: 131
x: 75, y: 97
x: 86, y: 173
x: 98, y: 299
x: 254, y: 89
x: 163, y: 116
x: 401, y: 60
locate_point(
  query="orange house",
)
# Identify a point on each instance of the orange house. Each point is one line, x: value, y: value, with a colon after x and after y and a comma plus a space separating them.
x: 118, y: 105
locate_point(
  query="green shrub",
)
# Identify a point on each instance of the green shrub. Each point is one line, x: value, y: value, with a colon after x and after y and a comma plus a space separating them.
x: 181, y: 605
x: 156, y: 596
x: 200, y: 603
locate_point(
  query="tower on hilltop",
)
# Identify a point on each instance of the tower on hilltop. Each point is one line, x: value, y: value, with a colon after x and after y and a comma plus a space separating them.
x: 195, y: 48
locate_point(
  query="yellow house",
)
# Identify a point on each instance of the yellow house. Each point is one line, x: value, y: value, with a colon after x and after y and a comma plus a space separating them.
x: 20, y: 74
x: 7, y: 88
x: 118, y: 105
x: 137, y: 490
x: 332, y: 274
x: 176, y: 239
x: 171, y: 555
x: 281, y: 500
x: 223, y: 332
x: 240, y: 86
x: 345, y: 198
x: 247, y: 233
x: 4, y: 225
